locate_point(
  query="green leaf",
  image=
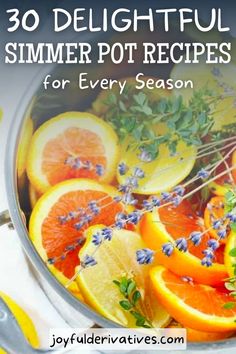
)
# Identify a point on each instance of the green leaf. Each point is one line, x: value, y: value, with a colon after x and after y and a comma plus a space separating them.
x: 232, y: 252
x: 131, y: 287
x: 126, y: 305
x: 140, y: 322
x: 122, y: 106
x: 136, y: 296
x: 140, y: 98
x: 233, y: 227
x: 116, y: 282
x: 229, y: 305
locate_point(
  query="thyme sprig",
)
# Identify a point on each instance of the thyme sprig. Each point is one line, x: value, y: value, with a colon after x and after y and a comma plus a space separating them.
x: 128, y: 288
x: 135, y: 115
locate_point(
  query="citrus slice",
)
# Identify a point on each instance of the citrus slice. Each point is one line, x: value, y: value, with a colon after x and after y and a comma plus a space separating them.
x: 214, y: 211
x: 164, y: 172
x: 170, y: 223
x: 200, y: 307
x: 57, y: 222
x: 100, y: 105
x: 23, y: 320
x: 194, y: 335
x: 217, y: 77
x: 230, y: 261
x: 33, y: 195
x: 116, y: 259
x: 224, y: 183
x: 72, y: 145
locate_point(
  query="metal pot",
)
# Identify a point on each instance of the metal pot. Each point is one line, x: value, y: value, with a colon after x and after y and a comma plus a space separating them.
x: 42, y: 105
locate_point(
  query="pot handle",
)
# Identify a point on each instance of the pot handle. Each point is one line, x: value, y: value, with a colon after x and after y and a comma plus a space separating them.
x: 5, y: 219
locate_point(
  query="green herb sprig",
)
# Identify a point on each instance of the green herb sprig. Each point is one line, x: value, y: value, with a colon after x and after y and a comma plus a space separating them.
x: 132, y: 295
x: 135, y: 115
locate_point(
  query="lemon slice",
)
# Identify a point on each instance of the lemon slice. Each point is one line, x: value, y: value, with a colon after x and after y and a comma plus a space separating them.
x: 212, y: 76
x: 23, y: 320
x: 164, y: 172
x: 117, y: 258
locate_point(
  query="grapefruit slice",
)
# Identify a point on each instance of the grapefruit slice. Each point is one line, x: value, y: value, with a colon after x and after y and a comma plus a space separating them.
x: 72, y: 145
x: 59, y: 242
x: 115, y: 259
x: 169, y: 223
x: 23, y: 320
x: 200, y: 307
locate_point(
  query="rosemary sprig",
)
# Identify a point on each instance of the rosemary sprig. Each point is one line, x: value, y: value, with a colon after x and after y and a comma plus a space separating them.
x: 135, y: 115
x: 132, y: 295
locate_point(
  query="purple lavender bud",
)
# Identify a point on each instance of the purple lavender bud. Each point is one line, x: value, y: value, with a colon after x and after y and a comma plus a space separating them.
x: 206, y: 262
x: 80, y: 241
x: 145, y: 156
x: 203, y: 174
x: 134, y: 217
x: 78, y: 226
x: 63, y: 257
x: 77, y: 163
x: 214, y: 244
x: 132, y: 182
x: 70, y: 248
x: 177, y: 200
x: 168, y: 249
x: 117, y: 198
x: 147, y: 205
x: 72, y: 214
x: 196, y: 237
x: 97, y: 239
x: 209, y: 253
x: 166, y: 196
x: 181, y: 244
x: 138, y: 172
x: 62, y: 219
x: 99, y: 170
x: 107, y: 233
x: 222, y: 233
x: 129, y: 199
x: 122, y: 168
x: 94, y: 207
x: 144, y: 256
x: 120, y: 220
x: 155, y: 201
x: 179, y: 190
x: 231, y: 216
x: 123, y: 188
x: 87, y: 165
x: 88, y: 261
x: 217, y: 224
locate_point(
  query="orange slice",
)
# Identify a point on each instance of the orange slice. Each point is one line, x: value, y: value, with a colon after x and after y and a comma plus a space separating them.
x: 214, y: 211
x: 194, y: 335
x: 197, y: 306
x: 72, y: 145
x: 169, y: 223
x: 59, y: 243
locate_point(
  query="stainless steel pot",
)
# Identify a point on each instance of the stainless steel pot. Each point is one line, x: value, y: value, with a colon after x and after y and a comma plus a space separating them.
x: 42, y: 105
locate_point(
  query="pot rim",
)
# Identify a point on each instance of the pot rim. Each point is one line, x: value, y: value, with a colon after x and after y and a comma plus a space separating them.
x: 32, y: 254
